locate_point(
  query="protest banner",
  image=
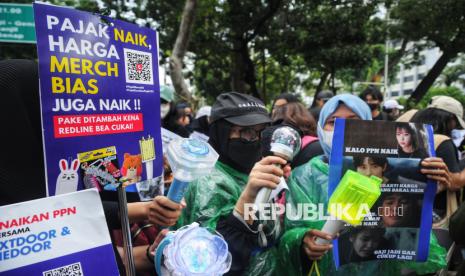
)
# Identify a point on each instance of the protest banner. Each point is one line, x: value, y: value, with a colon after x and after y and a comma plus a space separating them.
x: 402, y: 216
x: 100, y: 102
x: 60, y: 235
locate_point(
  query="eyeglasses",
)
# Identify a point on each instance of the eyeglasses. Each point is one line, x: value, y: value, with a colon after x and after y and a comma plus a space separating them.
x: 250, y: 133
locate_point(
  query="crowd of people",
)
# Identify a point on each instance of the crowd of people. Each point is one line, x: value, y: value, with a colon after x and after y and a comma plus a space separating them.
x: 242, y: 138
x: 239, y: 127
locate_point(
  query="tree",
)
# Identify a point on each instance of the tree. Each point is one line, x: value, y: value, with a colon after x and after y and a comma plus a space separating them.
x: 246, y: 20
x: 180, y: 48
x: 453, y: 92
x: 224, y: 44
x: 442, y: 23
x: 332, y: 36
x: 453, y: 74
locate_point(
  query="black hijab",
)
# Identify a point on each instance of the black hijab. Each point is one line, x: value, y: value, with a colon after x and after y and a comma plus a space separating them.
x: 22, y: 175
x: 219, y: 140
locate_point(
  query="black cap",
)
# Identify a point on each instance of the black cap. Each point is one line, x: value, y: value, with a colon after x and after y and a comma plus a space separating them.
x: 239, y: 109
x: 325, y: 95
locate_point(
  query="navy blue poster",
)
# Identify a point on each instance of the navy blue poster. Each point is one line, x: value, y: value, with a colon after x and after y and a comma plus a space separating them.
x: 402, y: 215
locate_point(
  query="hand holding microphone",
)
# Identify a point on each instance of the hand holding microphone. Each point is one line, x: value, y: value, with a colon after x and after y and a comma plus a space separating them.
x: 285, y: 143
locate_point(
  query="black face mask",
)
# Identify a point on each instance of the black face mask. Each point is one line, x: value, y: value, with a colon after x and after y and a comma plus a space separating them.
x: 244, y: 153
x: 373, y: 106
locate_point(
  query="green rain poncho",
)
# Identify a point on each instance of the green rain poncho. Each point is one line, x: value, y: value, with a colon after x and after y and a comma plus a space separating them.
x: 214, y: 196
x: 309, y: 184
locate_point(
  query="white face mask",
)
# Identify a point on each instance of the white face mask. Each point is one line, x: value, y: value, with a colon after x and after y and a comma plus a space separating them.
x: 164, y: 109
x: 458, y: 136
x: 327, y: 138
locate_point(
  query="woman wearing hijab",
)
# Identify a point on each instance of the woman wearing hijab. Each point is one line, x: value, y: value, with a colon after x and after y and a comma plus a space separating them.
x: 308, y: 183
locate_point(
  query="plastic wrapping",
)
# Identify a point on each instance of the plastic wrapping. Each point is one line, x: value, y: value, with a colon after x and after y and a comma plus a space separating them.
x: 214, y: 196
x: 194, y: 250
x: 264, y: 263
x: 309, y: 184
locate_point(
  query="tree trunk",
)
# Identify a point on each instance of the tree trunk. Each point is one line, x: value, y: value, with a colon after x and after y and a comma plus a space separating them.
x: 428, y: 81
x: 180, y: 48
x: 237, y: 67
x: 250, y: 78
x: 243, y: 78
x: 320, y: 86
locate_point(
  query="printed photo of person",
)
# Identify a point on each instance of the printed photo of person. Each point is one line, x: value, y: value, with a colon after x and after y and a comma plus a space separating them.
x: 411, y: 143
x: 371, y: 165
x: 361, y: 243
x: 399, y: 209
x: 402, y: 238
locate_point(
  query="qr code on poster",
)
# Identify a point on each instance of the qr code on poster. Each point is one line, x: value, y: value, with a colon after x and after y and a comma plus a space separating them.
x: 68, y: 270
x: 138, y: 67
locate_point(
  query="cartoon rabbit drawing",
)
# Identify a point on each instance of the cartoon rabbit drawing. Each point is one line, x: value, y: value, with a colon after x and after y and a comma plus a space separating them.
x: 67, y: 180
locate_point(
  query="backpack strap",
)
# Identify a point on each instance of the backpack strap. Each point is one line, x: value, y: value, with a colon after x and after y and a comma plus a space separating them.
x: 439, y: 139
x: 307, y: 139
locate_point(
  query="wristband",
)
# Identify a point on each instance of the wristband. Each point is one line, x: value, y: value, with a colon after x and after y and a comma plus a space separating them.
x: 148, y: 255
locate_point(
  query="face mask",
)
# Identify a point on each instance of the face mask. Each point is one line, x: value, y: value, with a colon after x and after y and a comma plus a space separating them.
x: 244, y: 153
x: 164, y: 109
x: 373, y: 106
x: 457, y: 136
x: 327, y: 136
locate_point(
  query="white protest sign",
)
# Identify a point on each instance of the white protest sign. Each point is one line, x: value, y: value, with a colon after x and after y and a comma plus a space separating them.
x: 63, y: 234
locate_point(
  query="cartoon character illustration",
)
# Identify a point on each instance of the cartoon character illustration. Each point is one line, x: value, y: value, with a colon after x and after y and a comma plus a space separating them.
x: 132, y: 168
x: 111, y: 168
x: 67, y: 180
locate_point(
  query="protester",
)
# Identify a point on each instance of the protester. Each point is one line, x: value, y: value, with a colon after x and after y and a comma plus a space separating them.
x: 177, y: 121
x: 321, y: 98
x: 444, y: 114
x: 201, y: 122
x: 166, y: 98
x: 309, y: 184
x: 174, y: 117
x: 20, y: 82
x: 392, y: 108
x: 296, y: 116
x: 373, y: 97
x: 407, y: 116
x: 187, y: 109
x: 283, y: 99
x: 217, y: 199
x: 22, y: 166
x: 456, y: 230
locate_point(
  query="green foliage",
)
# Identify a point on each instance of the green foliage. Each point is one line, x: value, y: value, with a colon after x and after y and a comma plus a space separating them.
x: 434, y: 23
x: 340, y: 38
x: 454, y: 74
x: 289, y: 49
x: 439, y: 22
x: 453, y: 92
